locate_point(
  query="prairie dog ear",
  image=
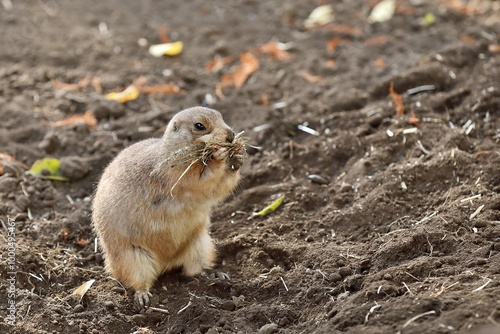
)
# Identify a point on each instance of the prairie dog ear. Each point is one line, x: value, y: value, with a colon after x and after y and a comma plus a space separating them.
x: 175, y: 127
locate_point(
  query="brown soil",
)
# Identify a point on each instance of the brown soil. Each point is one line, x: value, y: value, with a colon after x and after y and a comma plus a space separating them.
x: 391, y: 235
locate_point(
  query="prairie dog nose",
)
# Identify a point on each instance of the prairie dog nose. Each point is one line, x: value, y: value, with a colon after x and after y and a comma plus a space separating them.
x: 229, y: 135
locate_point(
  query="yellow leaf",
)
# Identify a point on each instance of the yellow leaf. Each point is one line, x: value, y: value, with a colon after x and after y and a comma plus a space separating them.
x: 47, y: 168
x: 166, y: 49
x: 270, y: 208
x: 129, y: 94
x: 82, y: 289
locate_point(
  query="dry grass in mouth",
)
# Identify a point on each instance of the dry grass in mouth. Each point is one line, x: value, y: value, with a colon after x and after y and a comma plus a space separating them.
x: 203, y: 152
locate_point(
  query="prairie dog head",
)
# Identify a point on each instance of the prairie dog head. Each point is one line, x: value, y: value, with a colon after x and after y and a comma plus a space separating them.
x: 196, y: 125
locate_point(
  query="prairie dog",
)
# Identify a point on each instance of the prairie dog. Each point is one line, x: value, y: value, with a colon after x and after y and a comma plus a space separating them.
x: 151, y: 209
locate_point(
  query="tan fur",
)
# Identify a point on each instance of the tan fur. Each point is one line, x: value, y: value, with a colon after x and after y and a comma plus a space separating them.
x: 145, y: 227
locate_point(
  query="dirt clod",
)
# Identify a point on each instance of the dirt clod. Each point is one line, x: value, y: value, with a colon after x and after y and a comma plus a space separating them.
x: 268, y: 329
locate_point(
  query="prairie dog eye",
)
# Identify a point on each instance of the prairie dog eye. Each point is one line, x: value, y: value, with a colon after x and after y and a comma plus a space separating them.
x: 199, y: 126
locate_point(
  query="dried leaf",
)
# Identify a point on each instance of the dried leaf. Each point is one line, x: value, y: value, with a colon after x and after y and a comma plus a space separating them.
x: 377, y: 40
x: 264, y: 99
x: 82, y: 289
x: 96, y: 83
x: 129, y: 94
x: 6, y: 157
x: 332, y: 44
x: 86, y: 118
x: 397, y: 99
x: 82, y: 242
x: 383, y: 11
x: 413, y: 119
x: 481, y: 154
x: 168, y: 88
x: 164, y: 34
x: 469, y: 8
x: 270, y: 208
x: 405, y: 10
x: 9, y: 160
x: 216, y: 64
x: 319, y: 16
x: 331, y: 63
x: 166, y: 49
x: 380, y: 63
x: 468, y: 39
x: 249, y: 64
x: 47, y: 168
x: 276, y: 50
x: 309, y: 77
x: 71, y: 86
x: 494, y: 48
x: 344, y: 29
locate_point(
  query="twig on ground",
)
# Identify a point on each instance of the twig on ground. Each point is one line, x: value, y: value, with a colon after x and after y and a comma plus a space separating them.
x: 422, y: 148
x: 283, y: 281
x: 158, y: 309
x: 475, y: 213
x: 488, y: 281
x: 184, y: 308
x: 430, y: 245
x: 372, y: 309
x: 426, y: 218
x: 417, y: 317
x: 407, y: 288
x: 407, y: 273
x: 443, y: 289
x: 470, y: 198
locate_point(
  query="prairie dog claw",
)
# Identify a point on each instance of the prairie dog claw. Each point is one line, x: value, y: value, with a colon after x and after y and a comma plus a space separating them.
x: 141, y: 299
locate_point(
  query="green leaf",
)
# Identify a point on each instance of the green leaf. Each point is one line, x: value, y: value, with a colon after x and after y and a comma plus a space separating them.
x: 47, y: 168
x: 429, y: 19
x: 270, y: 208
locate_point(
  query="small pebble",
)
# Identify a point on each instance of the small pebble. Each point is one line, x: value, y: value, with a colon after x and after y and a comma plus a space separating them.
x: 275, y: 270
x: 74, y: 167
x: 140, y: 319
x: 343, y: 295
x: 345, y: 187
x: 335, y: 277
x: 228, y: 305
x: 268, y: 329
x: 109, y: 304
x: 20, y: 217
x: 318, y: 179
x: 79, y: 308
x: 480, y: 223
x: 117, y: 289
x: 8, y: 184
x: 333, y: 312
x: 49, y: 143
x: 213, y: 330
x: 284, y: 322
x: 345, y: 271
x: 22, y: 202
